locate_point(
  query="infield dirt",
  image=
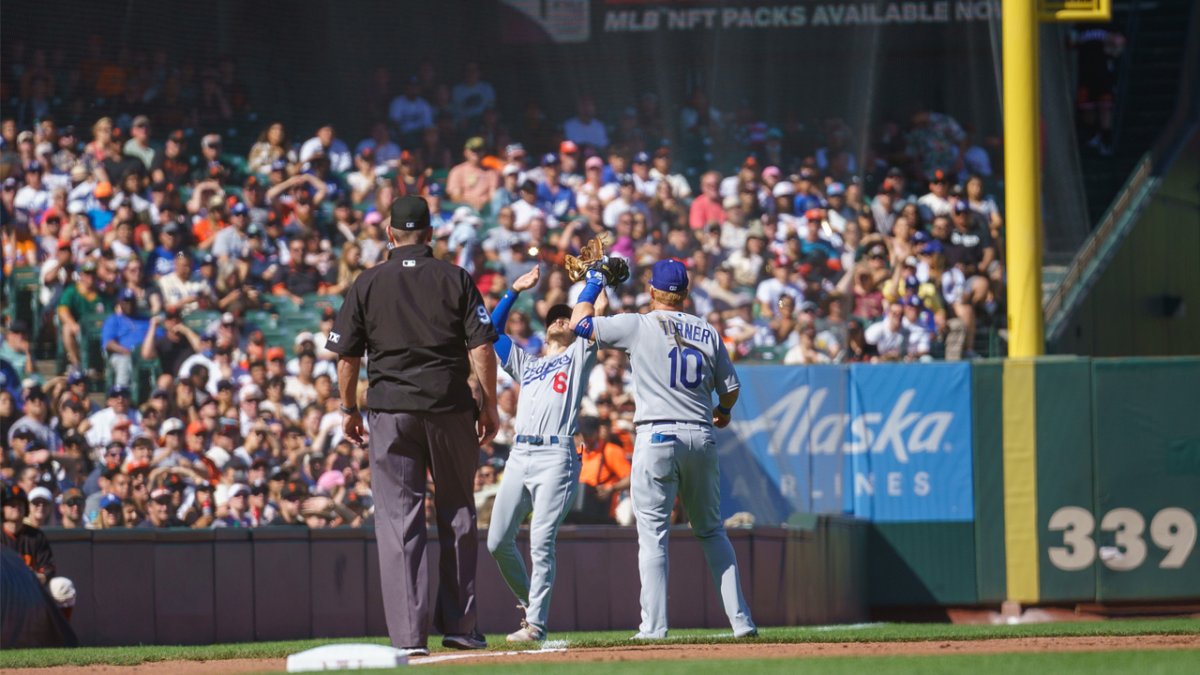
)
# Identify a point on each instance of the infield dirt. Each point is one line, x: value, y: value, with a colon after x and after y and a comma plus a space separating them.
x: 708, y: 652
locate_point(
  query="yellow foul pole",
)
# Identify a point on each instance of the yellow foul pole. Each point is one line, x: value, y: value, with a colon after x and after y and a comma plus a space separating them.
x: 1022, y: 178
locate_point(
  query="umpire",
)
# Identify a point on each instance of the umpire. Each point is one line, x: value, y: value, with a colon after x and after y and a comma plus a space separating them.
x: 424, y: 329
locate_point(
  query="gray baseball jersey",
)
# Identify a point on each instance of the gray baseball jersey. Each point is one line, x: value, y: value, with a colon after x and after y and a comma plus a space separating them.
x: 678, y: 362
x: 551, y: 388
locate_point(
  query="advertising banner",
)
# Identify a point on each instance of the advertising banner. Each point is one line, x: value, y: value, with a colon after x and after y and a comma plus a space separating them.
x: 891, y: 443
x: 908, y: 447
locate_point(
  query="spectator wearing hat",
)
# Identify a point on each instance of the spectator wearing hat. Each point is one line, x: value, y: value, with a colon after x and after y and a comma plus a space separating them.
x: 138, y: 146
x: 470, y: 182
x: 70, y: 509
x: 34, y: 421
x: 231, y: 242
x: 292, y: 496
x: 936, y: 202
x: 41, y: 510
x: 553, y: 197
x: 584, y: 129
x: 526, y: 208
x: 81, y: 306
x: 122, y: 334
x: 159, y: 513
x: 101, y: 424
x: 645, y: 184
x: 33, y: 198
x: 30, y: 544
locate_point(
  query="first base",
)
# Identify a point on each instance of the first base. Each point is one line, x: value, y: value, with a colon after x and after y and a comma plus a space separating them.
x: 346, y: 657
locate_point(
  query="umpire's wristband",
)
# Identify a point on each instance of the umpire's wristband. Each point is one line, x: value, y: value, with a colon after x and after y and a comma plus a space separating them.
x: 347, y: 411
x: 724, y: 410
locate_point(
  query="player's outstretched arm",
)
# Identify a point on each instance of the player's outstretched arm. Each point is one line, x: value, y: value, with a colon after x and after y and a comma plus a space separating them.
x: 585, y: 306
x: 500, y: 313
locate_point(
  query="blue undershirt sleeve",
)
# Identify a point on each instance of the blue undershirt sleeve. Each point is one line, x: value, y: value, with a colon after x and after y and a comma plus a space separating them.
x: 503, y: 344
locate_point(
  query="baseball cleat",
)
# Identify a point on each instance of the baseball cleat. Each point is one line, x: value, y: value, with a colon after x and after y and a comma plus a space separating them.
x: 470, y: 641
x: 527, y: 633
x: 752, y: 633
x: 644, y: 636
x: 415, y: 651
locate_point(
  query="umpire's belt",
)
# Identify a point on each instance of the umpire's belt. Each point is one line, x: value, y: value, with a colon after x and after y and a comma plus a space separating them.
x: 544, y: 440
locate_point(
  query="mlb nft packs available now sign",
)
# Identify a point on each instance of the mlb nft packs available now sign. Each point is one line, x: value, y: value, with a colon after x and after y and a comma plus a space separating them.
x: 884, y: 442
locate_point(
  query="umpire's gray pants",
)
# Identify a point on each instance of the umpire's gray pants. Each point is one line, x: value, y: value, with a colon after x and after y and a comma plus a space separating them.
x: 542, y: 479
x: 681, y: 458
x: 404, y: 446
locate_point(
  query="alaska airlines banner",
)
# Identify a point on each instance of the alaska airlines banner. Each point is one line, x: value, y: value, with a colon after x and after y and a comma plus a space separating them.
x: 884, y: 442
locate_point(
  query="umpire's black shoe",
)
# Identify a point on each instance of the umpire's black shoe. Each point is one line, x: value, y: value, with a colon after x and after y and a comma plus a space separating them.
x: 469, y: 641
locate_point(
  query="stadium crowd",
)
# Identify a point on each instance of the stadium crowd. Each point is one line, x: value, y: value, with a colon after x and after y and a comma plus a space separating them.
x: 182, y: 280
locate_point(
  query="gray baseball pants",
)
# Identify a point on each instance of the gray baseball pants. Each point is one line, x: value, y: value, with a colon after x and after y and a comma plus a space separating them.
x: 681, y: 458
x: 403, y: 447
x: 542, y: 479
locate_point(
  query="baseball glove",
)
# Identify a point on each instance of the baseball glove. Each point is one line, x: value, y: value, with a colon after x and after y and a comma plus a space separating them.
x: 592, y: 252
x: 614, y: 269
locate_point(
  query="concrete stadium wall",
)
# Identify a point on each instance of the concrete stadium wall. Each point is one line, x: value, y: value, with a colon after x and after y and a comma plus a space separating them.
x: 201, y: 587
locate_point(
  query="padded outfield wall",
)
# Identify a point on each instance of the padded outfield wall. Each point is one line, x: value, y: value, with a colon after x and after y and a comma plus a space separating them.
x: 1057, y: 480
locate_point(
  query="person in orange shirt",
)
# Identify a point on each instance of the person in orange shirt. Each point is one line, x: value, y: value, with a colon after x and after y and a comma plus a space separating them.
x: 603, y: 475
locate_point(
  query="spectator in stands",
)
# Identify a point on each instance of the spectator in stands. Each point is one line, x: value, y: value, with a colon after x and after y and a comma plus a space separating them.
x: 70, y: 509
x: 470, y: 182
x: 123, y: 334
x: 326, y: 144
x: 584, y: 130
x: 472, y: 96
x: 603, y: 476
x: 271, y: 146
x: 707, y: 208
x: 409, y: 113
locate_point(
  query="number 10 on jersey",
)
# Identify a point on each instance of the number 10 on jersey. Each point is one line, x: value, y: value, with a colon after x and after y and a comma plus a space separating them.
x: 686, y: 364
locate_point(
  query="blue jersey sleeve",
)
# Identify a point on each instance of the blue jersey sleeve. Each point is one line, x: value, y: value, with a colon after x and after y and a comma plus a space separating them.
x: 503, y: 343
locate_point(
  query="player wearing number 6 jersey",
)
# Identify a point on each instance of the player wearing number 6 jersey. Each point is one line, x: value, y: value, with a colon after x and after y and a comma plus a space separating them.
x: 678, y: 361
x: 542, y: 472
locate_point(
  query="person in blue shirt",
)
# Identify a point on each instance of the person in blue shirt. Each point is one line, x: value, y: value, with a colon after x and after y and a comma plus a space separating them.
x: 123, y: 333
x: 552, y: 196
x: 161, y: 260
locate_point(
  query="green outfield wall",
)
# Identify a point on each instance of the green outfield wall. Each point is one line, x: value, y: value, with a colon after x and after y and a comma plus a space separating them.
x: 1086, y: 479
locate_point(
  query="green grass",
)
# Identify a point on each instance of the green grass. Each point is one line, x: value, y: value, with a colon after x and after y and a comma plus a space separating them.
x: 894, y: 632
x: 1084, y: 663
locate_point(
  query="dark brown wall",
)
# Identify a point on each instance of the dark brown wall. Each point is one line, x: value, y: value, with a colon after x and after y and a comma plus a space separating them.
x: 201, y: 587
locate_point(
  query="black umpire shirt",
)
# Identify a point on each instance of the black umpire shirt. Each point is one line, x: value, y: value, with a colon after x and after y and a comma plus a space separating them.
x: 415, y: 317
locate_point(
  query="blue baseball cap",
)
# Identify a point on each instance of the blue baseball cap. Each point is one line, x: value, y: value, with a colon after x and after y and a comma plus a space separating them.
x: 109, y: 501
x: 641, y: 158
x: 238, y: 209
x: 670, y: 276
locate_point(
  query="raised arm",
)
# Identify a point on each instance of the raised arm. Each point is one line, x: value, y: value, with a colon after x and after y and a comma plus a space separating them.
x: 500, y: 313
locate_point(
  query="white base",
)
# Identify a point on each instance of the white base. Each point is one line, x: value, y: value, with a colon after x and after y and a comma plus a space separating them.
x: 346, y: 657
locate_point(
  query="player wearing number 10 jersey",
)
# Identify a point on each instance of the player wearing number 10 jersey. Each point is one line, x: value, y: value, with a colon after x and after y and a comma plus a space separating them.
x: 542, y: 473
x: 678, y: 362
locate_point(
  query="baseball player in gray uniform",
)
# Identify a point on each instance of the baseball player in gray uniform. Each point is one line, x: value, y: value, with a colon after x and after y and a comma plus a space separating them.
x: 678, y: 360
x: 542, y: 472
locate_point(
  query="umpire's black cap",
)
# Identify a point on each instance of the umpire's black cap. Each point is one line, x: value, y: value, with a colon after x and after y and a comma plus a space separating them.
x: 410, y: 213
